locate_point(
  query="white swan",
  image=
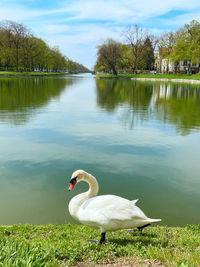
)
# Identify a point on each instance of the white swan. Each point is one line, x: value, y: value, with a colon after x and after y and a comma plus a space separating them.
x: 107, y: 212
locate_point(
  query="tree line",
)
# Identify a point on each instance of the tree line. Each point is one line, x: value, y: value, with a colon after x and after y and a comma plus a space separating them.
x: 20, y: 50
x: 141, y: 49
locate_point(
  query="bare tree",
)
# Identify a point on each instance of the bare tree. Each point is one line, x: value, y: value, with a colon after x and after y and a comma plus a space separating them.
x: 134, y: 37
x: 167, y: 41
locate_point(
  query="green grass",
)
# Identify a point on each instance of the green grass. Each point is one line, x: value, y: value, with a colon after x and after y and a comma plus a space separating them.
x: 14, y: 73
x: 158, y: 76
x: 66, y: 245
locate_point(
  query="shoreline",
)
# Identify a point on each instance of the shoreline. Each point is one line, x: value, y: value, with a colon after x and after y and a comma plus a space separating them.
x: 167, y: 80
x: 193, y: 79
x: 31, y: 74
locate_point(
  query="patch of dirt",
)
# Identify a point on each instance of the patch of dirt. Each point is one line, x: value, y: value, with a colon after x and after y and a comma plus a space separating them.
x: 124, y: 262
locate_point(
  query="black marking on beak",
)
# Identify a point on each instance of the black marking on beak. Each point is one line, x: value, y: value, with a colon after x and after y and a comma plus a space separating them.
x: 72, y: 180
x: 72, y: 183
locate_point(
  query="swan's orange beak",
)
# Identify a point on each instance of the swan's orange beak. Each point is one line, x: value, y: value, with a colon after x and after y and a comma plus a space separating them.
x: 72, y: 184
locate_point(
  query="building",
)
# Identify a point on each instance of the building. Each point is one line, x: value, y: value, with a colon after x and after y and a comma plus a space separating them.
x: 164, y: 64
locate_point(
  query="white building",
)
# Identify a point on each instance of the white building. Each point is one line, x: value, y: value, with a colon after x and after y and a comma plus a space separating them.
x: 166, y: 65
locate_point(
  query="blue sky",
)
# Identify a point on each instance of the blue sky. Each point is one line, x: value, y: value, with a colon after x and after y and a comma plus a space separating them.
x: 77, y: 27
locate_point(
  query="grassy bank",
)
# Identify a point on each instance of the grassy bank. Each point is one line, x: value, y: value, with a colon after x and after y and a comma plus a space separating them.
x: 66, y: 245
x: 14, y: 73
x: 158, y: 76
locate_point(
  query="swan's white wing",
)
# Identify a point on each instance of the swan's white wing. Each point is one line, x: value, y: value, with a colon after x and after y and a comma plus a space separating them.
x: 110, y: 207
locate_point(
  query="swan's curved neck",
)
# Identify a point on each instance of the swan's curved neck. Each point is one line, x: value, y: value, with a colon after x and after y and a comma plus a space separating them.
x: 78, y: 200
x: 93, y: 185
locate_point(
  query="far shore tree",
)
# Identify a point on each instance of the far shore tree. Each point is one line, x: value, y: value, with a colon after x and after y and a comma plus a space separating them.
x: 108, y: 56
x: 187, y: 45
x: 16, y: 34
x: 148, y: 55
x: 165, y: 46
x: 135, y: 37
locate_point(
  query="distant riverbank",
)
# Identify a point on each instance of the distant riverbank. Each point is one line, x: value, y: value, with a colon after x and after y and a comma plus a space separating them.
x: 16, y: 74
x: 167, y: 80
x: 66, y: 245
x: 195, y: 78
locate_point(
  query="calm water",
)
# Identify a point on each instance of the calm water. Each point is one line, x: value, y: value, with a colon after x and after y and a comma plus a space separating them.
x: 140, y: 139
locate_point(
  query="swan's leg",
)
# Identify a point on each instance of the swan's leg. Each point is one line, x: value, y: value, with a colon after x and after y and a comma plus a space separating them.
x: 103, y: 239
x: 142, y: 227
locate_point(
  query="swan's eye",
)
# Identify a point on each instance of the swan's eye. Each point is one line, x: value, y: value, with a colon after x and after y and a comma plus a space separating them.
x: 72, y: 183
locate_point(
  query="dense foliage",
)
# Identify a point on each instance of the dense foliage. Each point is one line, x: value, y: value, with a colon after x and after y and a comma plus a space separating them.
x: 20, y: 50
x: 141, y: 49
x: 109, y: 55
x: 187, y: 44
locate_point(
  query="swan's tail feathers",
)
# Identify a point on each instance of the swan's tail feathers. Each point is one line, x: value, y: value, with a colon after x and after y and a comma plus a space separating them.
x: 134, y: 201
x: 154, y: 220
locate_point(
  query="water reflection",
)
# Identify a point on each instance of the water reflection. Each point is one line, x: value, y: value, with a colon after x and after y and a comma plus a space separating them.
x: 176, y: 104
x: 21, y: 98
x: 64, y: 124
x: 112, y: 93
x: 179, y: 105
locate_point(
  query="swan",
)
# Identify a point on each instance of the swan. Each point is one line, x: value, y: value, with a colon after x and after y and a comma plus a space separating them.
x: 106, y: 212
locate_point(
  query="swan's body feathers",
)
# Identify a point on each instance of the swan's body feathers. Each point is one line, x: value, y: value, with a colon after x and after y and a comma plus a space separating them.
x: 111, y: 213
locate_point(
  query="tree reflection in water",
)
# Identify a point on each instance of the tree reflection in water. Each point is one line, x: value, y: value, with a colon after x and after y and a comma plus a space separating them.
x: 176, y: 104
x: 21, y: 98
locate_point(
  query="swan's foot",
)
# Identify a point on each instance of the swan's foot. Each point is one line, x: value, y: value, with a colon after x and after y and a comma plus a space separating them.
x: 103, y: 239
x: 139, y: 229
x: 134, y: 231
x: 93, y: 241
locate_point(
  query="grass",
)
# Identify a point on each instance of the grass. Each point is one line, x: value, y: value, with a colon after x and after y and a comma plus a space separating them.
x: 66, y: 245
x: 158, y: 76
x: 15, y: 73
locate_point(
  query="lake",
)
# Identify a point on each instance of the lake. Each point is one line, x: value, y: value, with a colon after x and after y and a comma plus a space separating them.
x: 139, y: 139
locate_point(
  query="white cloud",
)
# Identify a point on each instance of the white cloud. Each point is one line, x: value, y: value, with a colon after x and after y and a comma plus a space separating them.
x: 56, y: 29
x: 180, y: 20
x: 130, y: 11
x: 16, y: 13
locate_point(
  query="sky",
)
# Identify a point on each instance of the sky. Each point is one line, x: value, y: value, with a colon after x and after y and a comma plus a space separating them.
x: 79, y: 26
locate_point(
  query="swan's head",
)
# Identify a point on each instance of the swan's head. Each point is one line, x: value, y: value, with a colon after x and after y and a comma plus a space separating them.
x: 77, y: 176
